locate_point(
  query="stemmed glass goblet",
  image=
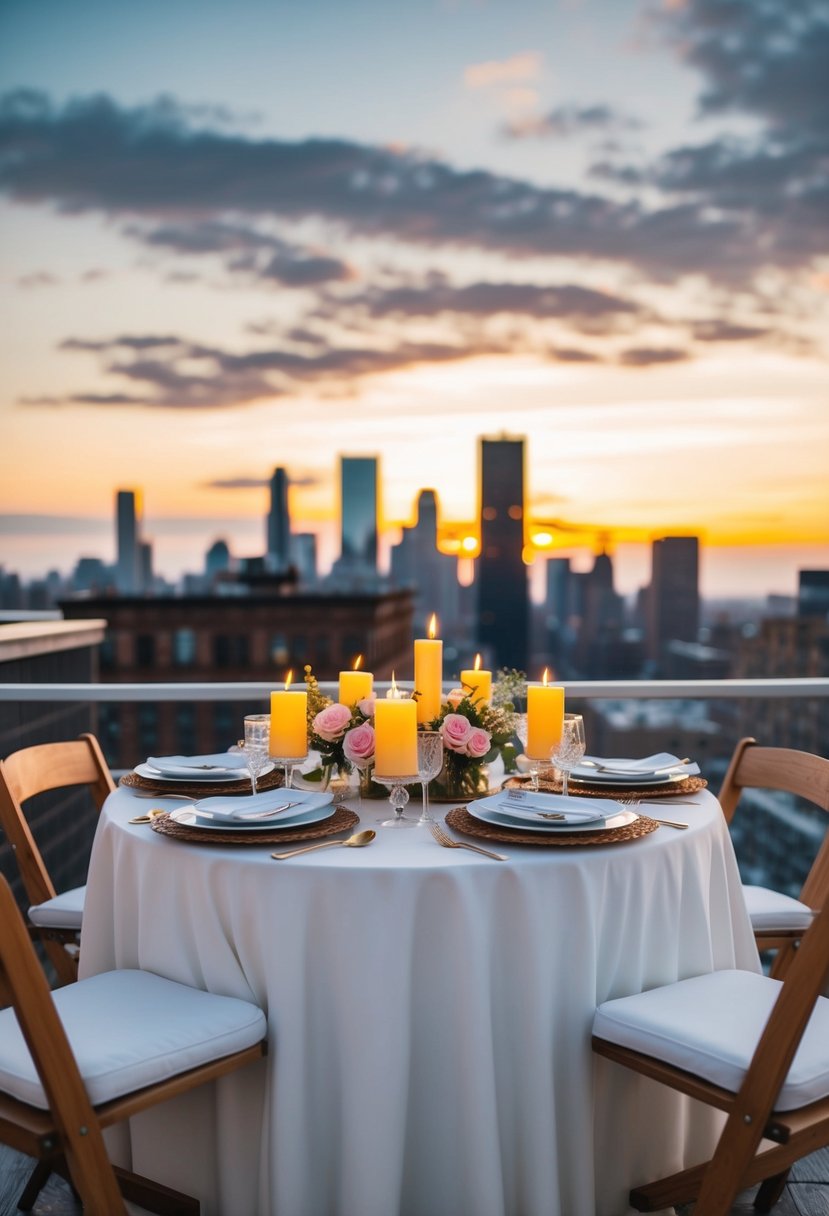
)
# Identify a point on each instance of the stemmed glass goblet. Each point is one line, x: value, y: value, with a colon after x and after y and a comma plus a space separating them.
x: 429, y: 764
x: 257, y: 739
x: 521, y: 730
x: 570, y: 748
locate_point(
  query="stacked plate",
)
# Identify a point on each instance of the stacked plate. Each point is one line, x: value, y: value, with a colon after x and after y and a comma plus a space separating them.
x: 535, y: 811
x: 220, y: 767
x: 260, y: 813
x: 659, y: 769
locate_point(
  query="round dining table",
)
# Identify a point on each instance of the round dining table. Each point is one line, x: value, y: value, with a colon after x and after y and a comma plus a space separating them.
x: 429, y: 1012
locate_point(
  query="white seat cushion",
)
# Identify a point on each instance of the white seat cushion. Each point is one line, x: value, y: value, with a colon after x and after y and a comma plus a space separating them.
x: 65, y: 911
x: 770, y: 910
x: 710, y: 1026
x: 129, y: 1029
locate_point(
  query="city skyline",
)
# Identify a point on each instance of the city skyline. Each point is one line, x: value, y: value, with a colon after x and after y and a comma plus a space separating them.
x: 227, y: 257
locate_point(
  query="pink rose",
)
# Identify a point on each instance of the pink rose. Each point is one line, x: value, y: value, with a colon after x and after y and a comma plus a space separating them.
x: 456, y: 730
x: 358, y: 744
x: 478, y: 743
x: 330, y: 723
x: 454, y: 697
x: 366, y: 706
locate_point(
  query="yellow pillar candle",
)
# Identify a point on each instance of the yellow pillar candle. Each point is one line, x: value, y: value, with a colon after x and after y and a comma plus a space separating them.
x: 395, y: 738
x: 477, y: 684
x: 545, y: 714
x: 428, y: 674
x: 355, y: 686
x: 289, y: 722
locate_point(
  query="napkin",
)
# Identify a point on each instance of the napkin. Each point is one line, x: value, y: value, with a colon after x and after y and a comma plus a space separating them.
x: 660, y: 764
x: 192, y: 766
x: 532, y: 805
x: 236, y: 809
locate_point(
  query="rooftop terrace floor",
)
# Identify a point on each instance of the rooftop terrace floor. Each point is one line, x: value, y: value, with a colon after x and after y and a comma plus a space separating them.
x: 807, y: 1193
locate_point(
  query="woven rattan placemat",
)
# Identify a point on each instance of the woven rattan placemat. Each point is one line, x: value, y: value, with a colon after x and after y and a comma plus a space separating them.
x: 341, y: 821
x: 462, y: 821
x: 201, y: 789
x: 672, y: 789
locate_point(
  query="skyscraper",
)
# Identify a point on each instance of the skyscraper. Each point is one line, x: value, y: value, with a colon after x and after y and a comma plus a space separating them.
x: 673, y: 598
x: 279, y: 523
x: 503, y: 596
x: 358, y: 499
x: 128, y: 570
x: 416, y: 562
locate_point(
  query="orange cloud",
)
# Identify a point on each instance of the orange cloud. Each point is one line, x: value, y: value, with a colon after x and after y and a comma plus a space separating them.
x: 524, y: 66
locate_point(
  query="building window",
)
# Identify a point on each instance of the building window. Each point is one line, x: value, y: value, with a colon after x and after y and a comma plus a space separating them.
x: 489, y: 513
x: 230, y: 650
x: 147, y: 728
x: 280, y: 655
x: 186, y: 740
x: 145, y: 650
x: 184, y: 647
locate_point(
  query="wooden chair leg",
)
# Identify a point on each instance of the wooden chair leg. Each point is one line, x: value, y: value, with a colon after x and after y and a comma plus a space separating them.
x: 37, y: 1180
x: 770, y: 1191
x: 155, y: 1197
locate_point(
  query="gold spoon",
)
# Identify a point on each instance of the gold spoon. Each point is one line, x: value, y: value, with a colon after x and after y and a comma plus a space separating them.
x: 148, y: 818
x: 357, y: 841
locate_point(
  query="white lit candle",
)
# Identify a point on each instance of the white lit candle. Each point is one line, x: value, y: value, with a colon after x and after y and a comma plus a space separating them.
x: 355, y: 685
x: 545, y: 715
x: 289, y: 722
x: 477, y: 684
x: 428, y: 673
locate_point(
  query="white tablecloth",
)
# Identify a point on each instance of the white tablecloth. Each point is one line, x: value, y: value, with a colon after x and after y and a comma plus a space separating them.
x: 430, y: 1013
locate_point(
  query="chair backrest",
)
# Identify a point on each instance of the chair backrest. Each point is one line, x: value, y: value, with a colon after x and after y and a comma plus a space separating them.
x: 76, y: 1123
x: 34, y: 770
x: 780, y: 768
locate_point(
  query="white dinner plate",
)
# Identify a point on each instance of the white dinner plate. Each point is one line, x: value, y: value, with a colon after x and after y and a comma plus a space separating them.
x: 550, y: 826
x: 201, y: 775
x: 529, y: 806
x: 290, y: 819
x: 640, y: 772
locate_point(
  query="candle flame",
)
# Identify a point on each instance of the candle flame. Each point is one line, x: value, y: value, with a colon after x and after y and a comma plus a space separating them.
x: 477, y: 666
x: 393, y: 685
x: 433, y: 625
x: 545, y: 677
x: 357, y: 662
x: 289, y: 677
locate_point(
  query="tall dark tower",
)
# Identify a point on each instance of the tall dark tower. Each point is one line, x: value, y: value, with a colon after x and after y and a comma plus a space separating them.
x: 503, y: 595
x: 128, y: 570
x: 358, y: 491
x: 674, y: 593
x: 279, y: 522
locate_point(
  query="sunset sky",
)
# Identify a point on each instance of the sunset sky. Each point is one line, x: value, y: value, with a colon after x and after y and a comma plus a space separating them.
x: 270, y: 233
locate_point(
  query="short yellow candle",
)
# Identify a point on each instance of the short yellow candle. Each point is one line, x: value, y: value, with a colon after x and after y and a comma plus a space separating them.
x: 428, y: 674
x: 289, y: 722
x: 355, y: 686
x: 395, y: 738
x: 477, y: 684
x: 545, y: 714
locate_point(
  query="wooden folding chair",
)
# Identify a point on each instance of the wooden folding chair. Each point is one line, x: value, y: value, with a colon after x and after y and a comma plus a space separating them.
x: 779, y: 921
x: 740, y: 1042
x: 91, y: 1054
x: 33, y: 770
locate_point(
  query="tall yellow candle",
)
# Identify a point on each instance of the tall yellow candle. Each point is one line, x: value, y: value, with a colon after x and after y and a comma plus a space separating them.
x: 355, y: 685
x: 428, y: 674
x: 477, y: 684
x: 545, y: 714
x: 395, y: 738
x: 289, y: 722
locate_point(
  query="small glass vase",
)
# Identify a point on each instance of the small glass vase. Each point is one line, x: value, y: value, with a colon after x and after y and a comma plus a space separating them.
x: 460, y: 780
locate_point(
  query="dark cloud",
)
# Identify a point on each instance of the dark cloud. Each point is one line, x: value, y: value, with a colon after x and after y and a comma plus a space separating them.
x: 307, y: 270
x: 151, y: 163
x: 727, y: 331
x: 438, y: 296
x: 259, y: 483
x: 649, y: 356
x: 571, y: 354
x: 185, y: 375
x: 38, y: 278
x: 563, y: 122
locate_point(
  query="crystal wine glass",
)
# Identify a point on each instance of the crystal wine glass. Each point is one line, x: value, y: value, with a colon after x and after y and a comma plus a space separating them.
x: 569, y: 750
x: 429, y: 764
x: 257, y: 739
x: 521, y: 731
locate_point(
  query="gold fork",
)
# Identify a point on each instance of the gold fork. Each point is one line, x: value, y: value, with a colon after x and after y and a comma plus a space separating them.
x: 446, y: 840
x: 633, y: 803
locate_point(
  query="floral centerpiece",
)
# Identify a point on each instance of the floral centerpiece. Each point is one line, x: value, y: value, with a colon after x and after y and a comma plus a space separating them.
x: 475, y: 732
x: 343, y: 735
